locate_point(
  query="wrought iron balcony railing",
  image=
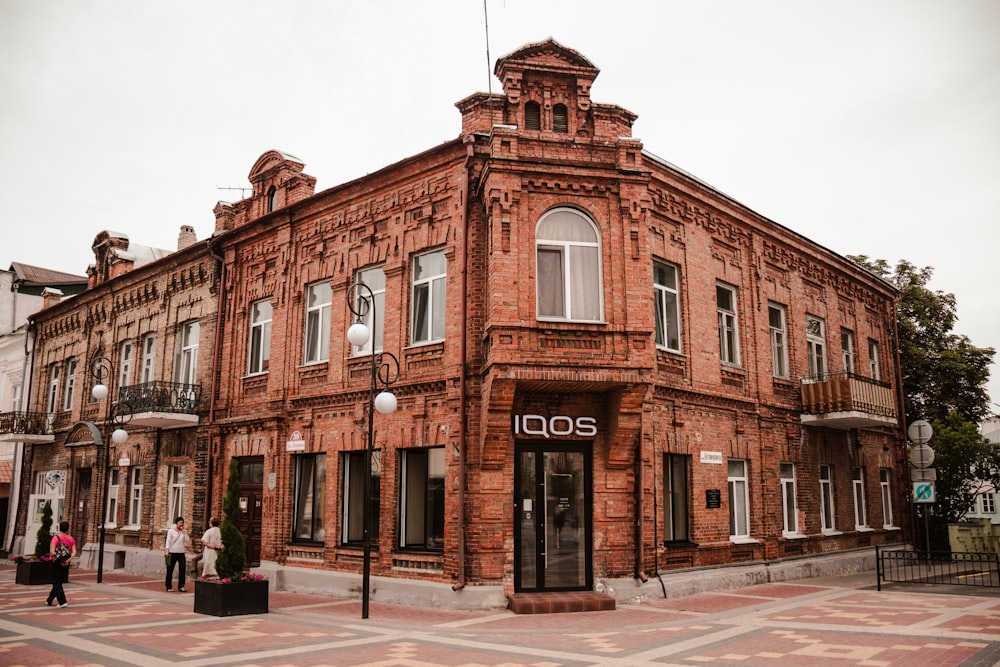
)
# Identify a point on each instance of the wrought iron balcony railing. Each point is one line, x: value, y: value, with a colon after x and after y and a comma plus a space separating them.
x: 161, y: 404
x: 26, y: 427
x: 846, y: 400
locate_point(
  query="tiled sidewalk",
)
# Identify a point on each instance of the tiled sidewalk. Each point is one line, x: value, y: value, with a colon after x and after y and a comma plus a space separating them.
x: 131, y: 621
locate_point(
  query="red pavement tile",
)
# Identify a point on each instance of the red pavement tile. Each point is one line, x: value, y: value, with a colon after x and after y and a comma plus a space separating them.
x: 709, y: 603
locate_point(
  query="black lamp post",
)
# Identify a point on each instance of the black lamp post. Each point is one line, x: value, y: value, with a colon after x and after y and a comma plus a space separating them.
x: 384, y: 371
x: 114, y: 420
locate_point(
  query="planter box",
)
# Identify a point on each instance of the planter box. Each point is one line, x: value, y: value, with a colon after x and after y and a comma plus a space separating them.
x: 232, y: 599
x: 34, y: 572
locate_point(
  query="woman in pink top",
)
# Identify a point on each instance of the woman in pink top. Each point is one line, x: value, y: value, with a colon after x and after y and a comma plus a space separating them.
x: 60, y: 568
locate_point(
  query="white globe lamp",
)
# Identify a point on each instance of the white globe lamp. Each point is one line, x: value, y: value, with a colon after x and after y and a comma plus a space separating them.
x: 385, y: 402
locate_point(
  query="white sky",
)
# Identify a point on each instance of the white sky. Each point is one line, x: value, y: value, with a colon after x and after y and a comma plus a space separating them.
x: 869, y: 126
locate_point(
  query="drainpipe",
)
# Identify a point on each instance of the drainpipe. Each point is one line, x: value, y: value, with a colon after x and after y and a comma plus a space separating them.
x: 640, y: 574
x: 469, y: 142
x: 221, y: 309
x: 899, y: 388
x: 19, y: 452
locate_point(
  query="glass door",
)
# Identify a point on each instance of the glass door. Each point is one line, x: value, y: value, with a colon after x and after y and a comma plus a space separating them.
x: 552, y: 531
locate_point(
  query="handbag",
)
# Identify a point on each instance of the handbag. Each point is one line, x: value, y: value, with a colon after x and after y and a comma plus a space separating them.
x: 62, y: 552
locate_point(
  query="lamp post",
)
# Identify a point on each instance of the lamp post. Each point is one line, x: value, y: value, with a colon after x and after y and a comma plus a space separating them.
x: 384, y: 371
x: 114, y: 420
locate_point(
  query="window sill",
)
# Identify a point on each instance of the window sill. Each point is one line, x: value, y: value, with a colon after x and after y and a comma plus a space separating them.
x: 134, y: 527
x: 794, y: 536
x: 891, y: 527
x: 743, y: 540
x: 833, y: 532
x: 864, y: 529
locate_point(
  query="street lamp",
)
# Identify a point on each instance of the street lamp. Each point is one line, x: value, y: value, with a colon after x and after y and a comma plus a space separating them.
x: 115, y: 418
x: 384, y: 371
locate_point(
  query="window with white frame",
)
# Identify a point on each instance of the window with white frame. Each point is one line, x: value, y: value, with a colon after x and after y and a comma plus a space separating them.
x: 317, y: 333
x: 668, y: 313
x: 135, y: 487
x: 729, y: 340
x: 422, y: 499
x: 873, y: 363
x: 858, y: 484
x: 568, y: 267
x: 816, y: 347
x: 308, y: 513
x: 779, y: 340
x: 114, y: 486
x: 885, y: 483
x: 148, y: 359
x: 125, y: 358
x: 374, y: 279
x: 789, y: 507
x: 847, y: 349
x: 430, y: 272
x: 988, y: 503
x: 353, y: 499
x: 260, y: 338
x: 739, y: 499
x: 15, y: 398
x: 826, y: 507
x: 176, y: 485
x: 53, y: 399
x: 67, y: 403
x: 675, y: 500
x: 186, y: 371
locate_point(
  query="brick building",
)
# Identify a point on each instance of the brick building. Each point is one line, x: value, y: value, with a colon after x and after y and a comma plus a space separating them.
x: 606, y: 368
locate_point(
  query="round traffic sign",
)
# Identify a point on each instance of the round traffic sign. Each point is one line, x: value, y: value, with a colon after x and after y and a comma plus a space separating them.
x: 920, y: 431
x: 921, y: 456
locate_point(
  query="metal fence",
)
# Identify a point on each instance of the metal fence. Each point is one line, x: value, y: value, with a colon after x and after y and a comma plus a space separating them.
x: 955, y: 569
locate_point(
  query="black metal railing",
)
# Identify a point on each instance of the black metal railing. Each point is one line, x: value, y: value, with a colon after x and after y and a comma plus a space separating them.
x: 26, y: 423
x: 955, y: 569
x: 842, y: 391
x: 160, y: 397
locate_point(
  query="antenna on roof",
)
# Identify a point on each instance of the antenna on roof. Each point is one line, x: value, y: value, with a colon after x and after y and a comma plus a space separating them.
x: 242, y: 190
x: 489, y: 76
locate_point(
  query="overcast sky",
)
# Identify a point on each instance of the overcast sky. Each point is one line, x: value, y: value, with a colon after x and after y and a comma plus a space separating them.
x: 871, y: 127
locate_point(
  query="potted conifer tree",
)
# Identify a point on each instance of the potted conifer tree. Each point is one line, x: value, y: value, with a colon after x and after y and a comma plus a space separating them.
x: 37, y: 569
x: 237, y: 591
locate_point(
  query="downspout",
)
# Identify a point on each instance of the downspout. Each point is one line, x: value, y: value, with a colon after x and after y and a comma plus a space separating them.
x: 221, y: 309
x: 469, y: 142
x: 19, y: 454
x: 901, y: 398
x: 640, y: 574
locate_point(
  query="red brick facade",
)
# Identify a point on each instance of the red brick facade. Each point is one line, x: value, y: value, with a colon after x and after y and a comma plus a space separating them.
x: 628, y: 430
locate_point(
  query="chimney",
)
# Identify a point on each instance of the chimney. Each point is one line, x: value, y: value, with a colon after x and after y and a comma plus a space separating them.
x: 51, y: 296
x: 186, y: 237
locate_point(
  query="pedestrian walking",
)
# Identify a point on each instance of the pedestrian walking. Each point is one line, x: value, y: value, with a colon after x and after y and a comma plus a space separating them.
x: 175, y: 554
x: 62, y: 550
x: 211, y: 541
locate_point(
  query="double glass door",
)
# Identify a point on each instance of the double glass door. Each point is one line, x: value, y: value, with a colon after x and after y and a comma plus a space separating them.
x: 552, y: 526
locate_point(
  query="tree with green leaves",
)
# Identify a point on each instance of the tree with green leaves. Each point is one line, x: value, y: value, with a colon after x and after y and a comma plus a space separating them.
x: 232, y: 559
x: 44, y: 535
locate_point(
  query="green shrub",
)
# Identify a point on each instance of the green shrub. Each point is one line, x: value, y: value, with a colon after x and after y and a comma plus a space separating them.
x: 44, y: 534
x: 232, y: 559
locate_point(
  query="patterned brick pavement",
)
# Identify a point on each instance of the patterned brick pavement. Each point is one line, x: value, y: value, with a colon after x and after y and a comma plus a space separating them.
x: 131, y: 621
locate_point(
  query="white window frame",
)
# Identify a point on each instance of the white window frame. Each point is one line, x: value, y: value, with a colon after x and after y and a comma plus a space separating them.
x: 676, y: 500
x: 67, y: 401
x: 114, y: 487
x: 858, y: 493
x: 126, y: 352
x: 729, y: 329
x: 827, y: 507
x: 739, y: 500
x: 789, y: 500
x: 874, y: 367
x: 316, y: 329
x: 422, y: 475
x: 779, y: 340
x: 428, y: 294
x: 187, y: 353
x: 374, y: 278
x: 988, y: 502
x: 259, y: 345
x: 816, y: 347
x: 148, y: 363
x: 176, y: 488
x: 666, y: 294
x: 885, y: 484
x: 580, y: 285
x: 53, y: 400
x: 135, y: 489
x: 847, y: 350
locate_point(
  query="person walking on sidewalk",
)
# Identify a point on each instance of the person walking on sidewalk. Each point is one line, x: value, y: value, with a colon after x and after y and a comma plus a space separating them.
x: 58, y: 548
x: 175, y: 550
x: 211, y: 541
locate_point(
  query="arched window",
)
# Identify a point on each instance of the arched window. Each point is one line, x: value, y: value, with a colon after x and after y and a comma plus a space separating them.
x: 560, y: 118
x: 568, y: 257
x: 272, y: 199
x: 532, y: 116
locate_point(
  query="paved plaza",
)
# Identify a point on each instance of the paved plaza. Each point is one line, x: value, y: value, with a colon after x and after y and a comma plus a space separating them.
x: 130, y: 620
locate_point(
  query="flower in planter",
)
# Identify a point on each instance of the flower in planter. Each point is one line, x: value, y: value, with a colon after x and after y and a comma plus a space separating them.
x: 241, y: 576
x: 44, y: 558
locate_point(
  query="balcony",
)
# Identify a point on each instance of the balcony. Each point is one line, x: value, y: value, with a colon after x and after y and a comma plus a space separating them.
x: 33, y: 427
x: 845, y: 401
x: 160, y: 404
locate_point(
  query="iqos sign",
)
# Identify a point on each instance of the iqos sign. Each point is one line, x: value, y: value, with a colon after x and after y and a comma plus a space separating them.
x: 557, y: 425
